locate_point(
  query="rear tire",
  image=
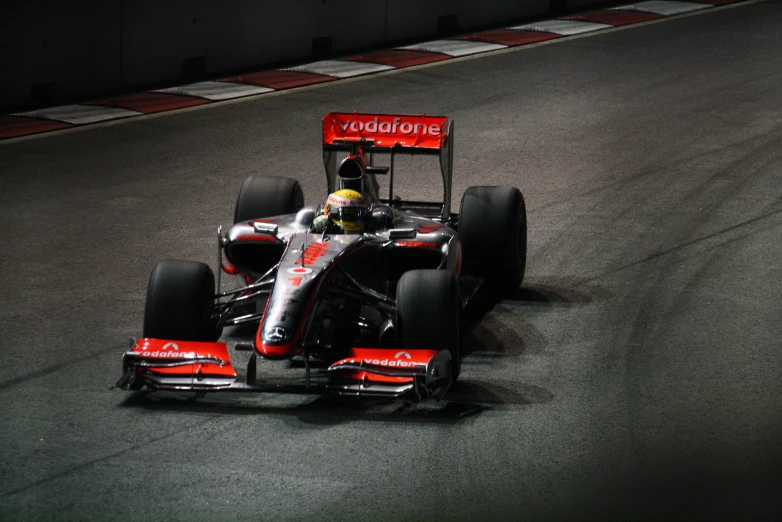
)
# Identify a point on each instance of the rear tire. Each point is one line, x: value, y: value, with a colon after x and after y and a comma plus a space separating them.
x: 261, y: 197
x: 427, y: 313
x: 493, y: 231
x: 179, y: 302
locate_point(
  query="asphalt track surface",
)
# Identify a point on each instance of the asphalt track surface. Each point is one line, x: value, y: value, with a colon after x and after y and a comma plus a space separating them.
x: 635, y: 374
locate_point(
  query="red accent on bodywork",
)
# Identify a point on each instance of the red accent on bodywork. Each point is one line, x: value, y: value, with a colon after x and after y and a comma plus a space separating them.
x: 360, y: 157
x: 169, y: 351
x: 313, y: 252
x: 274, y: 351
x: 386, y: 130
x: 371, y: 377
x: 427, y: 229
x: 416, y: 244
x: 295, y: 281
x: 229, y: 268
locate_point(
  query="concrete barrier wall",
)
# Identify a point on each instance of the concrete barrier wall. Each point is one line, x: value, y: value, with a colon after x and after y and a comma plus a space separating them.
x: 50, y: 49
x: 53, y: 51
x: 409, y: 19
x: 235, y: 34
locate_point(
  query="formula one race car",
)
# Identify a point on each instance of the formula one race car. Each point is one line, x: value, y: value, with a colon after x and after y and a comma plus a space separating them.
x: 369, y: 288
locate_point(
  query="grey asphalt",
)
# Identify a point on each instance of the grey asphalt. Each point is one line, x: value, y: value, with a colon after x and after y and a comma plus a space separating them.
x: 635, y: 374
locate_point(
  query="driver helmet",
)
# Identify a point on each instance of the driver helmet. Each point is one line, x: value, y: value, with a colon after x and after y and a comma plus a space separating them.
x: 347, y: 208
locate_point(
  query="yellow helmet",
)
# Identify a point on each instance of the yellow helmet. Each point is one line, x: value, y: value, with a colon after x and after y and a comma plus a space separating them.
x: 347, y: 208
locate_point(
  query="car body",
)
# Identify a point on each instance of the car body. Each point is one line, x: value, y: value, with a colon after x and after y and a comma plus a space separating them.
x: 329, y: 298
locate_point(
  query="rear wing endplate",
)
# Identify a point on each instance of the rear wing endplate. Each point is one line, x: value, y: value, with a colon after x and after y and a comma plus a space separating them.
x: 390, y: 133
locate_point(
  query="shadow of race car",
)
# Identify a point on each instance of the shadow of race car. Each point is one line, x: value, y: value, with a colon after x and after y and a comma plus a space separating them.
x: 372, y: 308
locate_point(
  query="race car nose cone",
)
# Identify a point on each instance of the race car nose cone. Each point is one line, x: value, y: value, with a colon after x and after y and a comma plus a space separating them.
x: 275, y: 334
x: 275, y: 343
x: 276, y: 351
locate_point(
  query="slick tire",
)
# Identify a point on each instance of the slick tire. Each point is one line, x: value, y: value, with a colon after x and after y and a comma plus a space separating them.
x: 493, y: 231
x: 179, y: 302
x: 261, y: 197
x: 427, y: 313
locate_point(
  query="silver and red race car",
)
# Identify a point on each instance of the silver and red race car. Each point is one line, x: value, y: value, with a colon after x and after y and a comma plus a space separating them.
x: 372, y: 313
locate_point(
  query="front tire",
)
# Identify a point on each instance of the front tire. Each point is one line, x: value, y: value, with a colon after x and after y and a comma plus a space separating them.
x: 261, y: 197
x: 493, y: 231
x: 179, y: 302
x: 427, y: 313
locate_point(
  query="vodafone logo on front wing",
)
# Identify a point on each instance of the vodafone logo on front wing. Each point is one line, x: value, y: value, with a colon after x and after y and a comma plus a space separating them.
x: 170, y: 349
x: 400, y: 360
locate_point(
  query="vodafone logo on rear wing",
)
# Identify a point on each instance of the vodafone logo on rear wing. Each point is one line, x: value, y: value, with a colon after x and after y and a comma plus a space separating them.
x: 386, y: 130
x: 397, y: 126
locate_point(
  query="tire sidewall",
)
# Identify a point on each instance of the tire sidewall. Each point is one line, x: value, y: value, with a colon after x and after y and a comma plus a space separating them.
x: 427, y: 313
x: 493, y: 231
x: 179, y: 302
x: 267, y: 196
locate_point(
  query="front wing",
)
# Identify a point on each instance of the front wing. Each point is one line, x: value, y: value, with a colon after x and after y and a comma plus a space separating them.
x: 206, y: 366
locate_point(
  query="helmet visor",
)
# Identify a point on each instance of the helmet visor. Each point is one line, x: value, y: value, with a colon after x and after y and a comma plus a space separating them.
x: 347, y: 214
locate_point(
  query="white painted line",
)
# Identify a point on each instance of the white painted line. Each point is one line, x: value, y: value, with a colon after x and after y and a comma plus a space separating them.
x: 563, y: 27
x: 340, y: 68
x: 664, y: 7
x: 454, y: 47
x: 216, y: 91
x: 80, y: 114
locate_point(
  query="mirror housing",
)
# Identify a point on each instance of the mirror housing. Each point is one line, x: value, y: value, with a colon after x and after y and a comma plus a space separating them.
x: 402, y: 233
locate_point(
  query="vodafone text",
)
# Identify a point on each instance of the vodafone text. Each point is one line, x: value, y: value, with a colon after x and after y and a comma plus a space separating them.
x: 257, y: 237
x: 416, y: 244
x: 164, y: 354
x: 391, y: 127
x: 393, y: 362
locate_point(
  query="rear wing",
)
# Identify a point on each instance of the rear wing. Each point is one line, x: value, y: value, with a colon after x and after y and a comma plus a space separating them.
x: 391, y: 133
